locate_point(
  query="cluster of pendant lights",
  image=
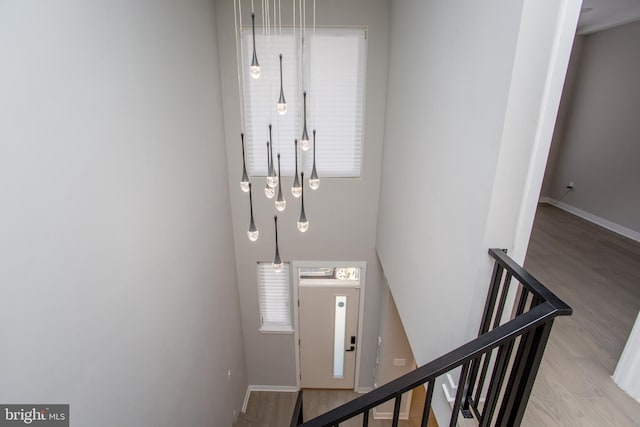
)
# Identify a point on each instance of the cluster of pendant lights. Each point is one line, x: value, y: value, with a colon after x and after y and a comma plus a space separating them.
x: 273, y: 180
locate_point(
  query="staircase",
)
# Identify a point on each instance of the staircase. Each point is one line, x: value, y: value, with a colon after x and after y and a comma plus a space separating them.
x: 497, y: 369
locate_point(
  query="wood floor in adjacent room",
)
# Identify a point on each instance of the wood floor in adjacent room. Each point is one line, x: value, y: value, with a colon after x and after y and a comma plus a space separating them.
x: 597, y: 272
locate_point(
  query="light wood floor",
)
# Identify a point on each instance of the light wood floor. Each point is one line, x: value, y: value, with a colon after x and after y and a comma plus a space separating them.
x: 596, y: 272
x: 274, y: 408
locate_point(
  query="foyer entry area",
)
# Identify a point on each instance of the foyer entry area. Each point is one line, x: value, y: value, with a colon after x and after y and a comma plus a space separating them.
x: 271, y: 409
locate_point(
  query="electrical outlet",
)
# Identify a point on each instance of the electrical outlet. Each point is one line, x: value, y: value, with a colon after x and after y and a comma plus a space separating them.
x: 229, y: 375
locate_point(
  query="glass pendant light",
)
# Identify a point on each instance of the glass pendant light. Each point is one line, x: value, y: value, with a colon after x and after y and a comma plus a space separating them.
x: 281, y: 203
x: 269, y: 191
x: 254, y: 69
x: 244, y: 182
x: 296, y: 188
x: 253, y: 232
x: 314, y: 181
x: 272, y: 178
x: 303, y: 224
x: 277, y: 262
x: 305, y: 143
x: 282, y: 104
x: 269, y: 166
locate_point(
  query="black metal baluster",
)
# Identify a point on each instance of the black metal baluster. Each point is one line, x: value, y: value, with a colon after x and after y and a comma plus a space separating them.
x: 483, y: 376
x: 524, y: 294
x: 535, y: 301
x: 396, y: 411
x: 497, y: 378
x: 365, y: 418
x: 427, y: 403
x: 492, y: 295
x: 459, y: 395
x: 517, y: 372
x: 467, y: 387
x: 532, y: 364
x: 496, y: 279
x: 503, y: 300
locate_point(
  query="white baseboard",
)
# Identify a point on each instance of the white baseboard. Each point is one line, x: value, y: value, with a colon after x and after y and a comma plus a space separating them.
x: 547, y: 200
x: 284, y: 388
x: 280, y: 388
x: 612, y: 226
x: 363, y: 390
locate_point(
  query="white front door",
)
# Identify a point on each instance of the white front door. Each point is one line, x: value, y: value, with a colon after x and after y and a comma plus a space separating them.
x: 328, y: 319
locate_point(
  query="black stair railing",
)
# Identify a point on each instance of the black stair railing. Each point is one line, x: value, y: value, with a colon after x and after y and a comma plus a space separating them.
x: 497, y: 369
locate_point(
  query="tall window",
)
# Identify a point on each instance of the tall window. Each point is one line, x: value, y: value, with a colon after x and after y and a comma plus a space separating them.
x: 334, y: 78
x: 274, y: 298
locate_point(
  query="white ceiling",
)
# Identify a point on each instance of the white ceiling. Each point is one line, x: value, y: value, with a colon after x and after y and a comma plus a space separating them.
x: 598, y: 15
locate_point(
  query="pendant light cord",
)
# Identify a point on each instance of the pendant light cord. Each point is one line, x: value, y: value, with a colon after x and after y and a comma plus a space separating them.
x: 275, y: 34
x: 313, y: 40
x: 293, y: 26
x: 237, y: 22
x: 302, y: 88
x: 281, y: 83
x: 267, y: 33
x: 280, y: 15
x: 302, y: 47
x: 304, y: 41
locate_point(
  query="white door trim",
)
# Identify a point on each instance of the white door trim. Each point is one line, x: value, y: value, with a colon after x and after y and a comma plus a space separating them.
x: 627, y: 371
x: 556, y: 73
x: 296, y: 316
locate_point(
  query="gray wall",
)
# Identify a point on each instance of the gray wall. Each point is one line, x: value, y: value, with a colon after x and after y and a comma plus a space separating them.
x: 342, y: 212
x: 563, y: 113
x: 473, y: 93
x: 117, y: 273
x: 599, y: 148
x: 436, y: 187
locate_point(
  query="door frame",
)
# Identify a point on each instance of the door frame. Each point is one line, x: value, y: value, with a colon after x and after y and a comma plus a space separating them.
x: 296, y: 315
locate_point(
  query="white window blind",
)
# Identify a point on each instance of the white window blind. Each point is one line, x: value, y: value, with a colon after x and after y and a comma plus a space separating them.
x: 274, y: 298
x: 334, y: 75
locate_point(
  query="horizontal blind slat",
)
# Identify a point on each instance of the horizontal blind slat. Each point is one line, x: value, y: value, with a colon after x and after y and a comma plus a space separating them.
x: 336, y: 64
x: 273, y: 289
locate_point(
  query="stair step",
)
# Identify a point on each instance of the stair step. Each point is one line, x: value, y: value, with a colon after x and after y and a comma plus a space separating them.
x: 245, y: 420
